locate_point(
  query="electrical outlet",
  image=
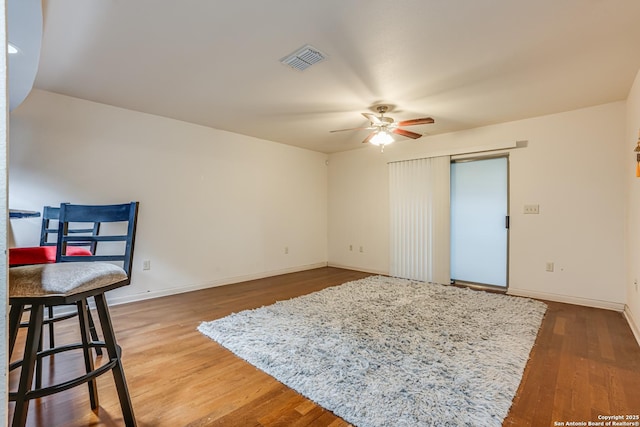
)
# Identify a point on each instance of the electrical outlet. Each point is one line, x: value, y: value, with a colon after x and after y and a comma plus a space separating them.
x: 350, y: 247
x: 146, y: 264
x: 361, y: 249
x: 286, y: 250
x: 532, y: 209
x: 549, y: 267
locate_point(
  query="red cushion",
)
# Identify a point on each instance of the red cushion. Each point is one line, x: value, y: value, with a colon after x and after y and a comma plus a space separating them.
x: 41, y: 254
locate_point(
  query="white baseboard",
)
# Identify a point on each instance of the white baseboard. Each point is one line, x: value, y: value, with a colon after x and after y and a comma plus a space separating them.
x: 632, y: 323
x: 587, y: 302
x: 221, y: 282
x: 364, y: 270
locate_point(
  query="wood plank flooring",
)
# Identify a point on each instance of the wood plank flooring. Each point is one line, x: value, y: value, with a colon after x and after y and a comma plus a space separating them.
x: 585, y: 363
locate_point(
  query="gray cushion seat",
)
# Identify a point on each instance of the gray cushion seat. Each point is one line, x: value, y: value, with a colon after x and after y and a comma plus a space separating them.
x: 62, y: 279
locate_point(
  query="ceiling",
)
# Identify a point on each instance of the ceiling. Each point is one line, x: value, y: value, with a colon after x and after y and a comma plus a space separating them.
x: 466, y: 63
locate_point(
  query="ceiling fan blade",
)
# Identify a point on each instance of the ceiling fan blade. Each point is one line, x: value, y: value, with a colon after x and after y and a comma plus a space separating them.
x: 342, y: 130
x: 421, y: 121
x: 406, y: 133
x: 367, y: 139
x: 375, y: 120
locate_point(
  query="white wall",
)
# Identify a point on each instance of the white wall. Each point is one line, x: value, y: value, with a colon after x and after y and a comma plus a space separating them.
x: 218, y: 207
x: 215, y: 207
x: 359, y: 210
x: 571, y: 168
x: 633, y: 208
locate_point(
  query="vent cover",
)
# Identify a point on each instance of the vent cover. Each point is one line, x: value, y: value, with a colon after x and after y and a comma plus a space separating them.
x: 303, y: 58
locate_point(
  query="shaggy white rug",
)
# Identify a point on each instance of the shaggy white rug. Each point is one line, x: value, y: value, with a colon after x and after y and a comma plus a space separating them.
x: 390, y: 352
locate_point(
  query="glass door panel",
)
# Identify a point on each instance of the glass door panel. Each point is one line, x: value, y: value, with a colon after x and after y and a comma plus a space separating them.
x: 479, y: 233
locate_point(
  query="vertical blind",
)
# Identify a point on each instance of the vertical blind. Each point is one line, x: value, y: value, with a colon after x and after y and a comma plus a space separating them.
x: 420, y: 219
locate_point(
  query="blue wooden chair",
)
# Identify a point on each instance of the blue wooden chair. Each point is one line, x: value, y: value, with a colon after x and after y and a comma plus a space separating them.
x: 77, y: 248
x: 71, y: 280
x: 46, y: 252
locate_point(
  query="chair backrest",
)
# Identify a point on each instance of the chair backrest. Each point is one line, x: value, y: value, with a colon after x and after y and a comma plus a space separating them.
x: 51, y: 214
x: 125, y: 213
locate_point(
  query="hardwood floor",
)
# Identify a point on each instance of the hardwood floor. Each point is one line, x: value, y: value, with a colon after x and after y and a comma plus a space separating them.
x: 585, y: 363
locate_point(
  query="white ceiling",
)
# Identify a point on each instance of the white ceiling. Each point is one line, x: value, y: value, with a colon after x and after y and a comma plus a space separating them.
x: 466, y: 63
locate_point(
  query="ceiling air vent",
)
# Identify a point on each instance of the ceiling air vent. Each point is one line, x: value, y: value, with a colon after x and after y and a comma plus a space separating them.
x: 303, y: 58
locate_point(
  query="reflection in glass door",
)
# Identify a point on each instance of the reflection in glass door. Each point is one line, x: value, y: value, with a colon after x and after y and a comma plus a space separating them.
x: 479, y: 221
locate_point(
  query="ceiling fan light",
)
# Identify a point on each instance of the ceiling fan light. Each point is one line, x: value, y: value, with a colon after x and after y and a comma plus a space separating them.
x: 381, y: 138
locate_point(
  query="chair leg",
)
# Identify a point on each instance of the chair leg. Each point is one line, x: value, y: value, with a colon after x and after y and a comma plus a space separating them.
x: 93, y: 331
x: 52, y: 341
x: 15, y: 314
x: 114, y: 353
x: 86, y: 350
x: 30, y: 357
x: 52, y: 344
x: 39, y: 365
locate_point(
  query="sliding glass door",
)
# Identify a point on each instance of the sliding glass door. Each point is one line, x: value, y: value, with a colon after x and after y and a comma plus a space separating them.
x: 479, y: 221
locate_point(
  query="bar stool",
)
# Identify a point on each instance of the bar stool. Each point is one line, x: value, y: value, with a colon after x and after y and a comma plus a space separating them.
x: 71, y: 280
x: 45, y: 253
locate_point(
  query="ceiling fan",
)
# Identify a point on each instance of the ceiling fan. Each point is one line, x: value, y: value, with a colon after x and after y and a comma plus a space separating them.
x: 384, y: 126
